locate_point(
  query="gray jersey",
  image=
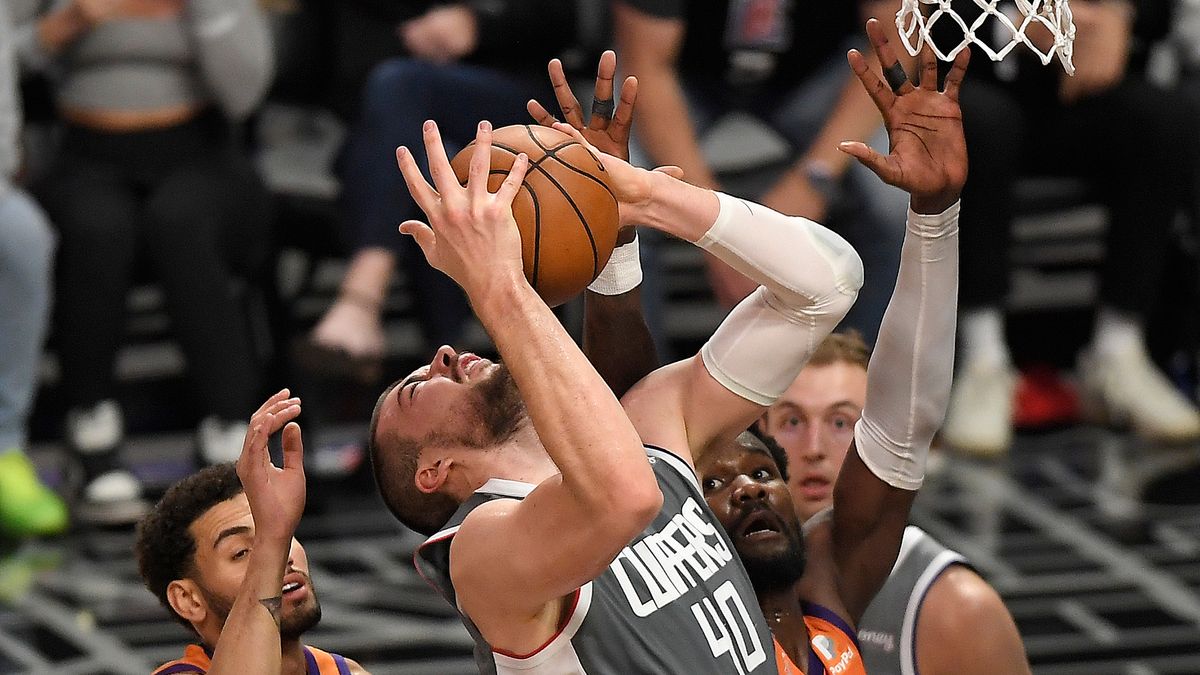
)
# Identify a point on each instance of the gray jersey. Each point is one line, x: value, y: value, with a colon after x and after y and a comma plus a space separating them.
x: 887, y: 631
x: 676, y: 600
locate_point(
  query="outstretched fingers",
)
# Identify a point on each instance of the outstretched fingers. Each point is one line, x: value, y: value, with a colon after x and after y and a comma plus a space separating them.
x: 929, y: 68
x: 481, y: 163
x: 539, y: 113
x: 602, y: 94
x: 880, y: 164
x: 958, y: 71
x: 567, y: 102
x: 512, y: 183
x: 886, y: 55
x: 293, y: 448
x: 622, y: 120
x: 439, y: 164
x: 879, y: 92
x: 420, y: 189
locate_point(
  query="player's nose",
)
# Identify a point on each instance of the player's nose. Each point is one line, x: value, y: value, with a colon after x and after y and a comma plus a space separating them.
x: 746, y: 489
x: 443, y: 361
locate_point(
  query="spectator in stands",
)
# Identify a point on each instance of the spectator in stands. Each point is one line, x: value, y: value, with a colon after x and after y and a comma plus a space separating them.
x: 146, y: 89
x: 1131, y: 142
x: 27, y: 507
x: 466, y: 61
x: 786, y: 66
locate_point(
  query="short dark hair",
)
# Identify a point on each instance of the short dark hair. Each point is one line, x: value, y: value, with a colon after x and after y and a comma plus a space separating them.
x: 773, y: 448
x: 394, y: 463
x: 165, y: 547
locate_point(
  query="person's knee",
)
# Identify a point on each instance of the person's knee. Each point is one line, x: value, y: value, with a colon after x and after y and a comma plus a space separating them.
x: 26, y: 240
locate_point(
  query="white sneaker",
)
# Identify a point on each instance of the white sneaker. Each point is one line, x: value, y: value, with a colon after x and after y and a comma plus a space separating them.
x: 96, y: 429
x: 1125, y: 389
x: 112, y: 498
x: 220, y: 441
x: 979, y: 418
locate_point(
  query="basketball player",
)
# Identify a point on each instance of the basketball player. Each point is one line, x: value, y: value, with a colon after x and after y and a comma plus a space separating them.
x: 218, y: 552
x: 814, y: 588
x: 552, y: 569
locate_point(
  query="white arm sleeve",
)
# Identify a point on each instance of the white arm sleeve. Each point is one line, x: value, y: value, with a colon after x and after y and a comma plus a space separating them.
x: 908, y: 379
x: 810, y: 278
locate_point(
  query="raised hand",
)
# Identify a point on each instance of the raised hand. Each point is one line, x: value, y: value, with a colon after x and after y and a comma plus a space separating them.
x: 605, y: 129
x: 276, y: 494
x: 471, y: 236
x: 928, y: 157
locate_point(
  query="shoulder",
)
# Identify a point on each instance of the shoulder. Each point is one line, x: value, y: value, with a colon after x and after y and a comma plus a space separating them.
x: 960, y: 615
x: 355, y: 667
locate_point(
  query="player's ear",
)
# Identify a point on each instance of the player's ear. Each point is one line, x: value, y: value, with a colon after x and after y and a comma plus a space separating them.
x: 432, y: 470
x: 185, y: 598
x: 761, y: 422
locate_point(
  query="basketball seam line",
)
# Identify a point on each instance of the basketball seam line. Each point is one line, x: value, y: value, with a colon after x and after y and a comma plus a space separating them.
x: 582, y: 221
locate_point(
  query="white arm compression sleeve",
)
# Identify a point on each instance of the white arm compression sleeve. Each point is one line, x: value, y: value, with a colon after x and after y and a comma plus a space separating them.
x: 908, y: 379
x: 810, y: 278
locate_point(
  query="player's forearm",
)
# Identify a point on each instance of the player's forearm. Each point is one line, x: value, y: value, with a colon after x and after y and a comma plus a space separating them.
x: 578, y: 419
x: 249, y: 641
x: 616, y: 339
x: 908, y: 379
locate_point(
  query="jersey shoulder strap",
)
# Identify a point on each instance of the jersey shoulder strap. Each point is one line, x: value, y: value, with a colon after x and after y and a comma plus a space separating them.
x: 324, y: 663
x: 831, y: 643
x: 194, y: 660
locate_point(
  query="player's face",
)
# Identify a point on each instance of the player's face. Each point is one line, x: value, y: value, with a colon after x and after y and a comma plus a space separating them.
x: 814, y: 422
x: 449, y: 396
x: 224, y: 537
x: 744, y: 489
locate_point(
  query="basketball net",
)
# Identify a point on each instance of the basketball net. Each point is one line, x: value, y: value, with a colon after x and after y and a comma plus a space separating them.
x: 1054, y: 16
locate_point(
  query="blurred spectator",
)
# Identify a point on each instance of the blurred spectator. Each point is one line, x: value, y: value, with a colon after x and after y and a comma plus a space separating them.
x: 27, y: 507
x: 786, y: 65
x: 1132, y: 143
x: 149, y: 163
x: 467, y: 62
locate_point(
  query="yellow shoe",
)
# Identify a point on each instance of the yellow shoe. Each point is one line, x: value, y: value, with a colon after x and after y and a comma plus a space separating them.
x: 27, y: 507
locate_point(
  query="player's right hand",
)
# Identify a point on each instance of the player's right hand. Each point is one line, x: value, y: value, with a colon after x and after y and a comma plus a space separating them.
x: 276, y: 494
x: 471, y: 235
x: 928, y: 157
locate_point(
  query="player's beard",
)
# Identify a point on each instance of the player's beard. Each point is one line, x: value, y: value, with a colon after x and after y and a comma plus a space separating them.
x: 500, y: 409
x: 779, y: 571
x: 293, y: 622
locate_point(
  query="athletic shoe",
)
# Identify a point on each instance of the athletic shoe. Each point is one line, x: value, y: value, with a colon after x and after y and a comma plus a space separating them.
x: 106, y: 493
x: 27, y: 507
x: 218, y: 441
x: 1126, y: 390
x: 111, y: 498
x: 979, y: 418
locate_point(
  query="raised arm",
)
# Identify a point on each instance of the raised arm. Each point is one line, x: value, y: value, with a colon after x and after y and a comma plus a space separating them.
x: 908, y: 378
x: 249, y: 640
x: 572, y: 525
x: 615, y: 336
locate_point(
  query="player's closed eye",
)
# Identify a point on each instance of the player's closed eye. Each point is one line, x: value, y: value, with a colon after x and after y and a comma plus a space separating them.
x: 241, y: 553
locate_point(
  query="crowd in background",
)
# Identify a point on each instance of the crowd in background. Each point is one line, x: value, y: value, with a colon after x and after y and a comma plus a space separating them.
x: 146, y: 171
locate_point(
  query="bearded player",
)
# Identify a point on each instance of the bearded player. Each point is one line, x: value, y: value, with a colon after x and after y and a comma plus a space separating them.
x: 218, y: 552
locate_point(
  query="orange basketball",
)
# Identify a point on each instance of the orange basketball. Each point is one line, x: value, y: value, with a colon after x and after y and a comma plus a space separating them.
x: 565, y: 209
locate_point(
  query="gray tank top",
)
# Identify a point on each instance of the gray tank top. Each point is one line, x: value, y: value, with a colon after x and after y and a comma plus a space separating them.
x: 676, y: 600
x: 887, y: 631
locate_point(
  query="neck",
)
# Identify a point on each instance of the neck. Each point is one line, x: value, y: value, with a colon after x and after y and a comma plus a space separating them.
x: 521, y: 458
x: 785, y: 616
x: 292, y: 658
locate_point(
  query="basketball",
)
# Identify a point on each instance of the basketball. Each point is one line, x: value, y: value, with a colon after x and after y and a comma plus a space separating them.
x: 565, y: 209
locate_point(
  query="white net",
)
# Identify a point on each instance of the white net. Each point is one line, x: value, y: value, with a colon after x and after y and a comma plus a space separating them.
x: 1044, y: 26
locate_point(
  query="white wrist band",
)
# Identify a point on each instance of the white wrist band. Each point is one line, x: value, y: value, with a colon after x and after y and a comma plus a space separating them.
x: 623, y: 273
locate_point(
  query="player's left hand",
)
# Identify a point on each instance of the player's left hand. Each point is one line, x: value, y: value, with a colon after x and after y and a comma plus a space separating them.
x: 471, y: 236
x: 928, y: 157
x: 276, y: 494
